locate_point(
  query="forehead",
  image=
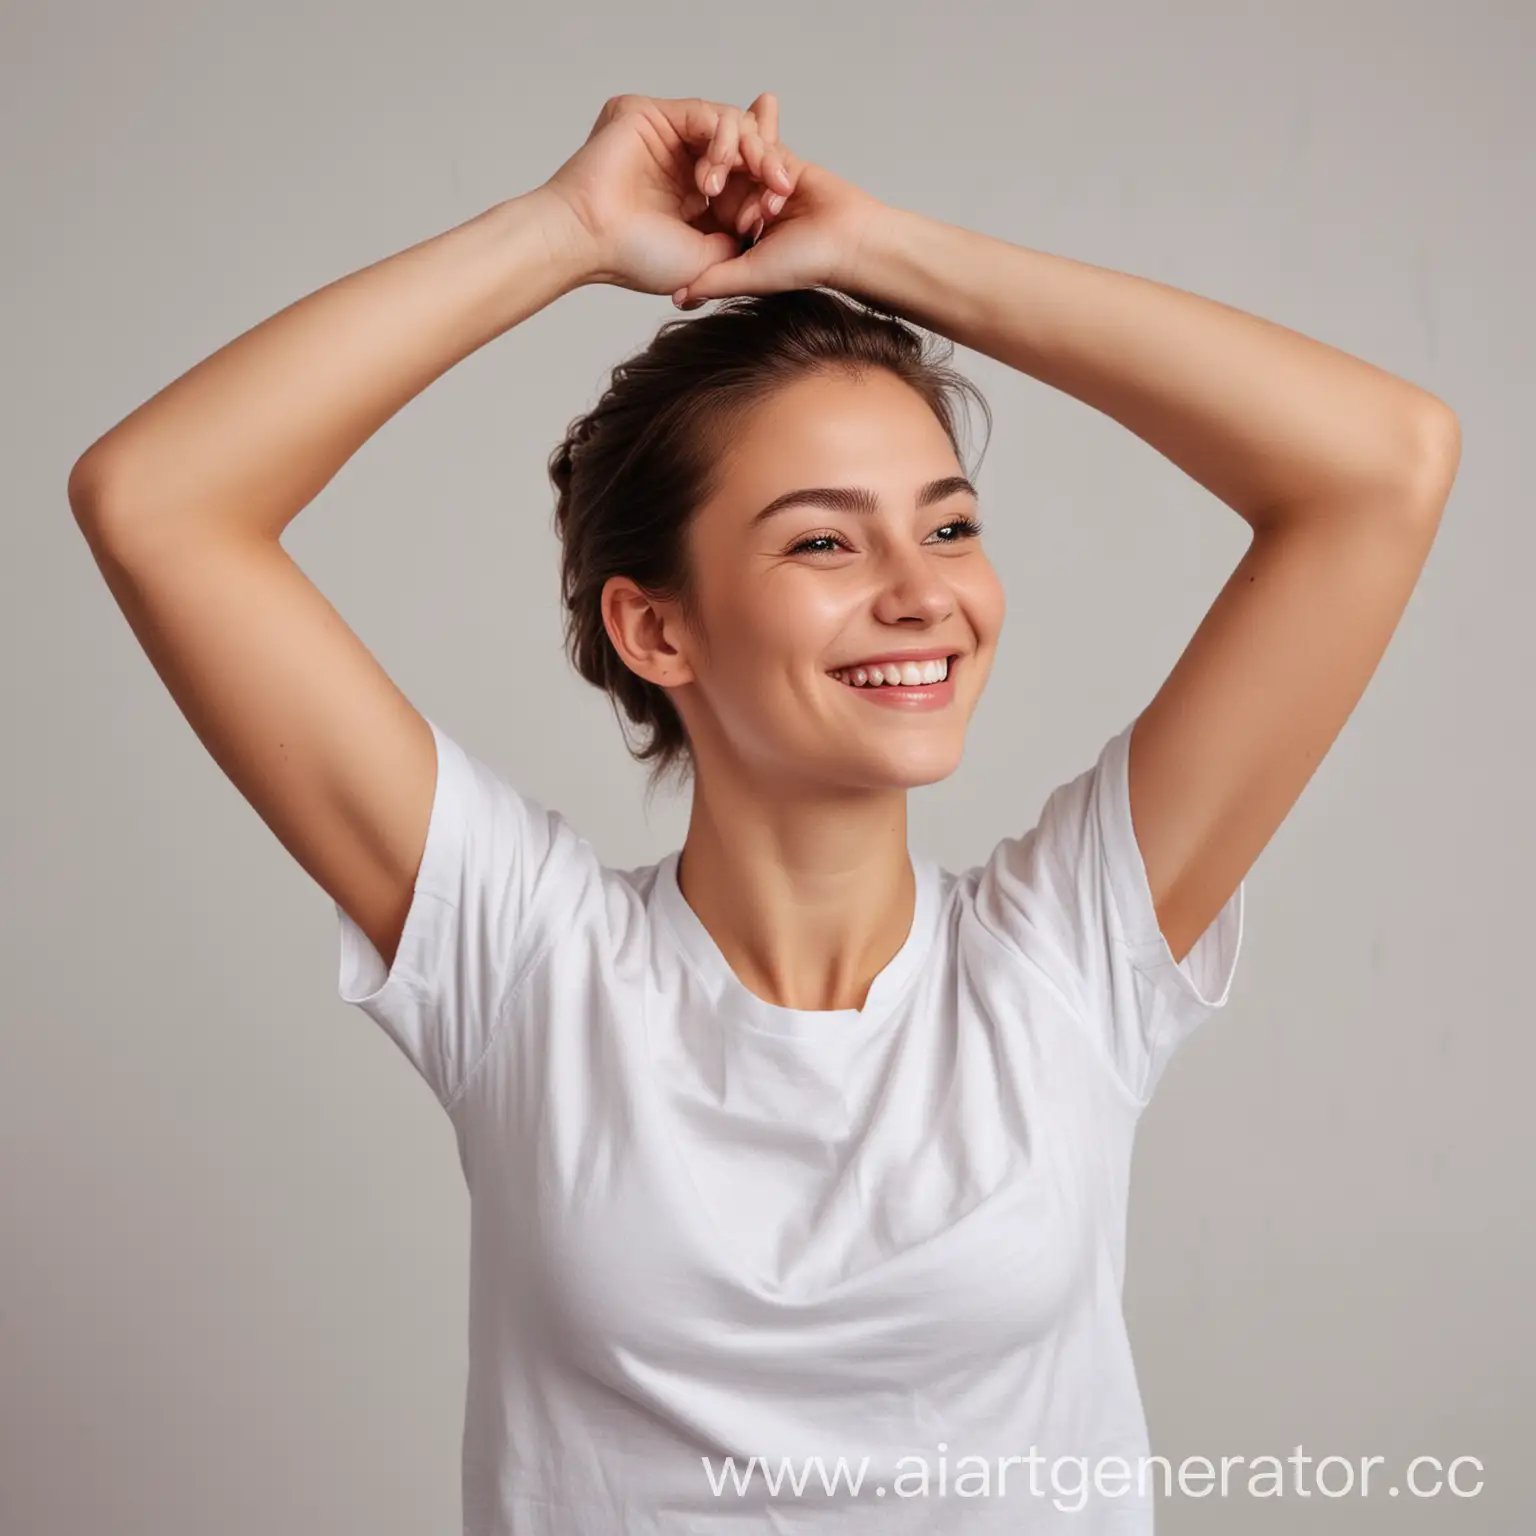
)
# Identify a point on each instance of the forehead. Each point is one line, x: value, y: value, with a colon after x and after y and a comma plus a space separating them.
x: 836, y: 428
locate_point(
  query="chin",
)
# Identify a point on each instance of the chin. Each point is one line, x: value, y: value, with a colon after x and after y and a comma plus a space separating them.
x: 919, y: 764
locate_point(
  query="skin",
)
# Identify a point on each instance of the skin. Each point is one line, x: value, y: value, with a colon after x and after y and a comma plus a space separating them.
x: 796, y: 854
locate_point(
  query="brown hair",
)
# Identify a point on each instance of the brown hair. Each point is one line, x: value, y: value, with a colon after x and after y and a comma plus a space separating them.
x: 632, y: 472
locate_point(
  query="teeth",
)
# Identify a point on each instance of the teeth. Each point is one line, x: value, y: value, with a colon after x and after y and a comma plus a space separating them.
x: 890, y: 674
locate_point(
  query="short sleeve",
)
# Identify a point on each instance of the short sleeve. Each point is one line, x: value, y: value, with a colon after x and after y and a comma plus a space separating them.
x: 496, y: 871
x: 1072, y: 893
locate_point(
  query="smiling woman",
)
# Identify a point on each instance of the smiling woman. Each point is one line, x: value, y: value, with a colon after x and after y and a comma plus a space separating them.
x: 791, y: 1143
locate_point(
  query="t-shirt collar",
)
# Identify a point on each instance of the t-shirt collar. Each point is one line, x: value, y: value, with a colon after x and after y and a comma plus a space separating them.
x: 733, y: 997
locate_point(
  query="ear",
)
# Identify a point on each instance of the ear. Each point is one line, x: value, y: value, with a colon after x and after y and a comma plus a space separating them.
x: 647, y: 632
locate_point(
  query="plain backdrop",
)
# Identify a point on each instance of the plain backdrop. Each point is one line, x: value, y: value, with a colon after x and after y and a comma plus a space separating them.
x: 233, y: 1226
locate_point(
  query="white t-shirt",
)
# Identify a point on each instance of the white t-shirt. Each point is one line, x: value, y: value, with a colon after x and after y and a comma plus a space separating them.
x: 881, y: 1246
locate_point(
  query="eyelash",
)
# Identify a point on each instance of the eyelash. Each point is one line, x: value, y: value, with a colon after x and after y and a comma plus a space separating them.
x: 967, y: 528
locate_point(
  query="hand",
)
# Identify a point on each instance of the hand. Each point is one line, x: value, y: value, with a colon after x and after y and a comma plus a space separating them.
x: 815, y: 241
x: 660, y: 189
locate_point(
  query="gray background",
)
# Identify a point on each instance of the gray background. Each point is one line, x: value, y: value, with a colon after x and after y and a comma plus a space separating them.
x: 233, y: 1273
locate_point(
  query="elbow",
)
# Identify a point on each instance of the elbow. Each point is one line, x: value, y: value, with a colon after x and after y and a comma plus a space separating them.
x: 1438, y: 458
x: 85, y: 489
x: 97, y: 494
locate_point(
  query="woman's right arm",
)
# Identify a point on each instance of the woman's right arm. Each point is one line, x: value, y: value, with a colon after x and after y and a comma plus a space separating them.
x: 184, y: 503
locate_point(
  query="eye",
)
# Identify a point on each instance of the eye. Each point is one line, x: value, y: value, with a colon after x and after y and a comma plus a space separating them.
x: 828, y: 542
x: 818, y: 544
x: 958, y: 529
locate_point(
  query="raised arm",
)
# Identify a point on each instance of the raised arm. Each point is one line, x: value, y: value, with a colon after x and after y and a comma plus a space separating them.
x: 184, y: 502
x: 1341, y: 470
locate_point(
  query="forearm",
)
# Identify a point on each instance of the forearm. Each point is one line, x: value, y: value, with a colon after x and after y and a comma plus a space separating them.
x: 250, y: 436
x: 1273, y: 423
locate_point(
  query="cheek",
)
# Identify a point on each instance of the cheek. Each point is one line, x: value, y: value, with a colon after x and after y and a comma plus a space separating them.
x: 773, y: 627
x: 984, y: 599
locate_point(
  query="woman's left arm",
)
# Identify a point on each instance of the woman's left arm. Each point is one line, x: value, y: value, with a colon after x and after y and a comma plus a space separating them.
x: 1341, y: 470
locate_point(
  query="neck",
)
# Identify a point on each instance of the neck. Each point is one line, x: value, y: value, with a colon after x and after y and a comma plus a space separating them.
x: 807, y: 897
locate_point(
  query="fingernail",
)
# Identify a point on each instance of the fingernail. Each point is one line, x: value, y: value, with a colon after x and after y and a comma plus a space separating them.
x: 785, y: 177
x: 716, y: 181
x: 774, y: 201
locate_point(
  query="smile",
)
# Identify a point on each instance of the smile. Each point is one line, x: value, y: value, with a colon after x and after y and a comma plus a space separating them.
x: 895, y: 674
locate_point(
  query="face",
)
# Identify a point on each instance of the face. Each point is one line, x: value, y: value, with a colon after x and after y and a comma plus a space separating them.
x: 797, y: 607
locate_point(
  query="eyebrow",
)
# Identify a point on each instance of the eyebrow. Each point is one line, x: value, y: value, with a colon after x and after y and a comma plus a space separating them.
x: 854, y: 498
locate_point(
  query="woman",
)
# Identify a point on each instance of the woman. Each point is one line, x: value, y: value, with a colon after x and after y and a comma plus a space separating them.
x: 791, y: 1146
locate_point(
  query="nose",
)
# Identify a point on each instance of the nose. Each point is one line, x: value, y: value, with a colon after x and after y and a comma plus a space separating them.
x: 913, y: 589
